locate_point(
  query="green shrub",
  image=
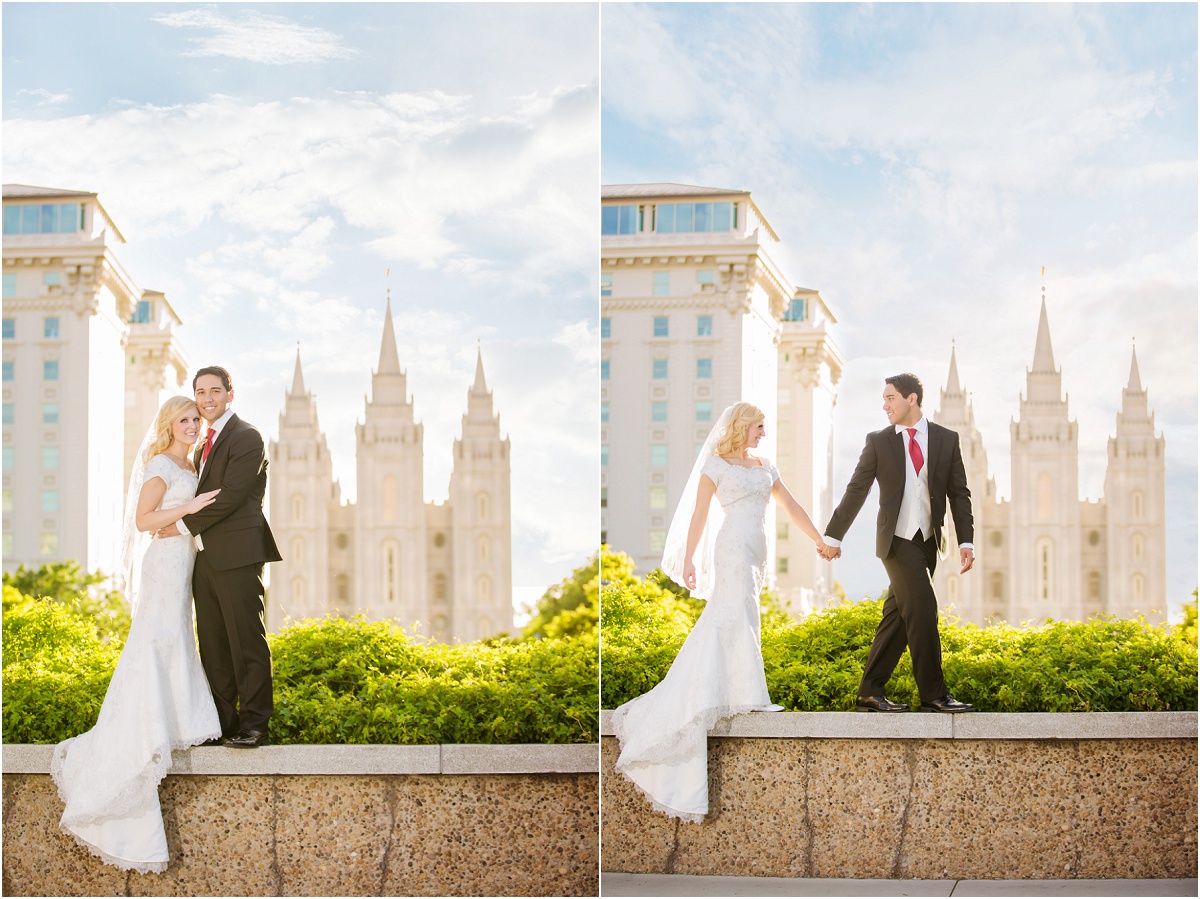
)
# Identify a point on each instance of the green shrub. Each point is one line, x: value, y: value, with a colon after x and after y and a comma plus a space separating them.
x: 570, y: 608
x: 336, y: 681
x: 816, y: 664
x: 64, y: 583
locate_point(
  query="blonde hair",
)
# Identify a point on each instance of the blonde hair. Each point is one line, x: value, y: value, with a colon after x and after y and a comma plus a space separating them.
x: 740, y: 419
x: 163, y: 422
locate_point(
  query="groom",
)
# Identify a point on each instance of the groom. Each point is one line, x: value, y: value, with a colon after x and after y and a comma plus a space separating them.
x: 233, y: 542
x: 919, y: 466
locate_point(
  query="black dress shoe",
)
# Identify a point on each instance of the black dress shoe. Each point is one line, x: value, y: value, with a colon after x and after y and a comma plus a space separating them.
x: 946, y: 704
x: 877, y: 704
x: 248, y: 739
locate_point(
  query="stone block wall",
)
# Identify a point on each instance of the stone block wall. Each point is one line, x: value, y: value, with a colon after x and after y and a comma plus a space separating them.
x: 332, y: 821
x: 923, y: 796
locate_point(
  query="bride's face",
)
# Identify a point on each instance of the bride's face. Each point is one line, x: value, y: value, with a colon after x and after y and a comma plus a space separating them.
x: 186, y: 428
x: 755, y: 433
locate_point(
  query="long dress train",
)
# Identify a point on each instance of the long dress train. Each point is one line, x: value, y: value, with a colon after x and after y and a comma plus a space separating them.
x: 719, y: 669
x: 158, y: 700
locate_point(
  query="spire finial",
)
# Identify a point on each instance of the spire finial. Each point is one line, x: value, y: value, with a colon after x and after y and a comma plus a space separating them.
x: 297, y: 377
x: 389, y: 359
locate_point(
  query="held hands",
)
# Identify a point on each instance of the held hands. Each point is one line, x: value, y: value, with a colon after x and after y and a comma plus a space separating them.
x: 967, y: 555
x: 827, y: 552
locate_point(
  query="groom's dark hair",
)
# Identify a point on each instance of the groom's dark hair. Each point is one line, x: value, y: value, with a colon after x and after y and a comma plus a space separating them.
x: 907, y: 384
x: 213, y: 370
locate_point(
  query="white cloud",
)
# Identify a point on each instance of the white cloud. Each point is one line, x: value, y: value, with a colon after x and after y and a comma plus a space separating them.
x: 45, y: 97
x: 256, y: 37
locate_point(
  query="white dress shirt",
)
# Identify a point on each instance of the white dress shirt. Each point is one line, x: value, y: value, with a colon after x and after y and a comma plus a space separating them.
x: 216, y: 427
x: 915, y: 513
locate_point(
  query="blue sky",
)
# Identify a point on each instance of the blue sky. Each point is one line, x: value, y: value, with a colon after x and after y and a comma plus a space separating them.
x: 269, y: 163
x: 921, y: 163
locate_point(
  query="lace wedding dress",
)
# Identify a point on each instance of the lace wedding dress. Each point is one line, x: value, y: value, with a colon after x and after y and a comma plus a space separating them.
x: 158, y: 700
x: 719, y: 670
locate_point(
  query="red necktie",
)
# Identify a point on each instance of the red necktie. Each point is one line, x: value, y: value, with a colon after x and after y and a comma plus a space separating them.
x: 208, y: 441
x: 914, y: 450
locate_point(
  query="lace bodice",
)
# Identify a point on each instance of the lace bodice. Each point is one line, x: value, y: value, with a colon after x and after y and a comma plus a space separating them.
x: 181, y: 484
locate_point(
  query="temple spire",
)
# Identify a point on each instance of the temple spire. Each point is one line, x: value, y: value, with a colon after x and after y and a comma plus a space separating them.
x: 1043, y: 353
x: 297, y: 376
x: 952, y: 382
x: 480, y: 386
x: 389, y: 360
x: 1135, y: 376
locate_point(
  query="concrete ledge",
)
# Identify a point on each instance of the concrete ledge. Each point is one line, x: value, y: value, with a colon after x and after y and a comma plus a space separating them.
x: 971, y: 726
x: 338, y: 759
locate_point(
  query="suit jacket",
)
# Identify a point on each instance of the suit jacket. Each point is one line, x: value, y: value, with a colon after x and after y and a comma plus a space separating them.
x: 234, y: 530
x: 883, y: 460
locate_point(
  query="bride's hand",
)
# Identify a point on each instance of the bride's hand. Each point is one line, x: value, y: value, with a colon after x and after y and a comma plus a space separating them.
x: 201, y: 500
x: 689, y: 574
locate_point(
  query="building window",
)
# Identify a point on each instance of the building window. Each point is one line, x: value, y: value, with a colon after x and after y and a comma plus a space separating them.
x: 298, y: 590
x: 683, y: 218
x: 342, y: 587
x: 1045, y: 567
x: 141, y: 314
x: 49, y: 544
x: 8, y: 371
x: 997, y: 585
x: 661, y: 326
x: 1139, y: 547
x: 703, y: 410
x: 657, y: 540
x: 49, y: 413
x: 482, y: 506
x: 781, y: 566
x: 8, y: 413
x: 603, y: 497
x: 439, y: 587
x: 658, y: 454
x: 1093, y: 585
x: 391, y: 570
x: 795, y: 310
x: 8, y: 500
x: 606, y: 284
x: 1139, y: 588
x: 10, y: 325
x: 8, y: 458
x: 49, y: 500
x: 49, y: 457
x: 484, y: 546
x: 662, y: 288
x: 704, y: 277
x: 704, y: 326
x: 52, y: 279
x: 604, y: 412
x: 50, y: 328
x: 485, y: 589
x: 45, y: 218
x: 341, y: 541
x: 703, y: 368
x: 8, y: 546
x: 297, y: 507
x: 297, y: 550
x: 658, y: 369
x: 781, y: 530
x: 1136, y: 503
x: 50, y: 370
x: 658, y: 410
x: 605, y: 328
x: 604, y: 370
x: 604, y: 454
x: 619, y: 220
x: 658, y: 497
x: 10, y: 290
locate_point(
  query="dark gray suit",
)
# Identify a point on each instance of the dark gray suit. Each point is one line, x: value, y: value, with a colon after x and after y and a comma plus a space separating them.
x: 910, y: 610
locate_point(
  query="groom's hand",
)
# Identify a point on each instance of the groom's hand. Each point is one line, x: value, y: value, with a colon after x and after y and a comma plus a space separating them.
x: 169, y: 531
x: 967, y: 555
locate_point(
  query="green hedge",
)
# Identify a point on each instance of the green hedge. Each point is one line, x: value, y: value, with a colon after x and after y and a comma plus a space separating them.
x: 815, y: 665
x: 336, y: 681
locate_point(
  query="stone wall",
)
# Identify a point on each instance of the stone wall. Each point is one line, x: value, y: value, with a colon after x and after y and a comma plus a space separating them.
x: 332, y: 821
x: 978, y: 796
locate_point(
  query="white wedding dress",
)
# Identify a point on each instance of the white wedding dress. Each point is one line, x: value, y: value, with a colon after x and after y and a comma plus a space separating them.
x: 158, y: 700
x: 719, y: 669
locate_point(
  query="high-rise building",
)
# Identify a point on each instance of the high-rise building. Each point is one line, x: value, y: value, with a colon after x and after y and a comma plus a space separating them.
x: 446, y: 565
x: 1045, y: 553
x: 88, y: 358
x: 697, y: 314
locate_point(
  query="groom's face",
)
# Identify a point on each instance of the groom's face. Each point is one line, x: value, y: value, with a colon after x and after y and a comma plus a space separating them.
x: 900, y: 410
x: 211, y: 397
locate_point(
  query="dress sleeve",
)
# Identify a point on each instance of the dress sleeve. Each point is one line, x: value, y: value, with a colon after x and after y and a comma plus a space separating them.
x: 713, y: 468
x: 770, y: 466
x: 159, y: 467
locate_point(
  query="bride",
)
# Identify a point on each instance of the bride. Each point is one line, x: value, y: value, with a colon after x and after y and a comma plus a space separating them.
x: 158, y: 699
x: 719, y: 552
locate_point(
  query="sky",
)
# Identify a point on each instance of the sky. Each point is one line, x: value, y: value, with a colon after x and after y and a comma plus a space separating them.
x: 269, y: 164
x: 921, y: 164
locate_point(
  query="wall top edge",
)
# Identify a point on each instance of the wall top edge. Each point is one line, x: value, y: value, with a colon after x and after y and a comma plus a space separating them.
x: 969, y: 726
x: 538, y: 758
